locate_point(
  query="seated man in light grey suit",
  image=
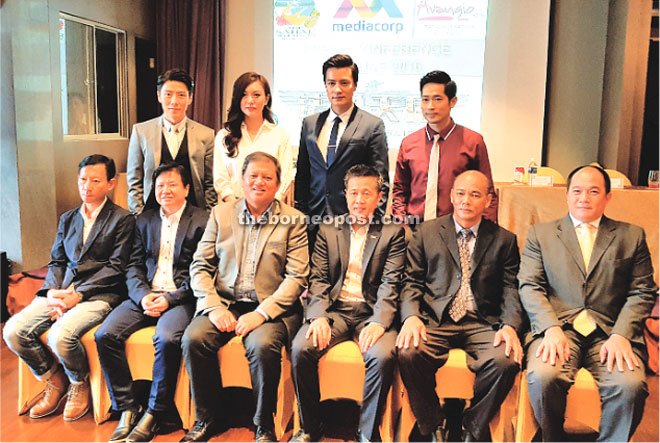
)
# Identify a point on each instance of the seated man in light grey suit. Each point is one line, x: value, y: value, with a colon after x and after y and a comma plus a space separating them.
x: 247, y: 273
x: 587, y: 284
x: 171, y: 137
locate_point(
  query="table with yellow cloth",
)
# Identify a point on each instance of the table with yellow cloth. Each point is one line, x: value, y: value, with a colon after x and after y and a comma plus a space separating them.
x: 521, y: 206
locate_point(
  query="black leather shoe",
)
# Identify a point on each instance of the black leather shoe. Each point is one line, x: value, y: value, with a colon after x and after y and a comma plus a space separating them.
x: 145, y: 430
x: 303, y: 437
x: 126, y: 424
x: 360, y: 437
x: 468, y: 437
x: 201, y: 431
x: 264, y: 434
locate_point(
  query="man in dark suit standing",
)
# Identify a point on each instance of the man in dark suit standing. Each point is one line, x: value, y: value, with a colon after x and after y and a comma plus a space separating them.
x: 159, y: 293
x: 460, y: 290
x: 586, y: 282
x: 85, y: 281
x: 171, y: 137
x: 357, y: 265
x: 333, y: 141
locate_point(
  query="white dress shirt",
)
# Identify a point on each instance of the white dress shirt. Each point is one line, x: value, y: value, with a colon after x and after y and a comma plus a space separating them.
x: 174, y: 135
x: 271, y: 139
x: 324, y: 135
x: 351, y: 289
x: 88, y: 222
x: 164, y: 277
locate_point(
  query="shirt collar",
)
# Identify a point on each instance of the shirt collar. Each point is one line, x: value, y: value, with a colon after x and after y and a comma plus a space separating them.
x: 95, y: 213
x: 262, y: 219
x: 169, y: 127
x: 430, y: 132
x: 474, y: 228
x: 344, y: 116
x: 362, y: 230
x: 577, y: 222
x: 265, y: 125
x: 176, y: 216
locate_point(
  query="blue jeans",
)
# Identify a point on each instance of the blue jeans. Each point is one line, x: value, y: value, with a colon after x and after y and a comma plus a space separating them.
x: 22, y: 332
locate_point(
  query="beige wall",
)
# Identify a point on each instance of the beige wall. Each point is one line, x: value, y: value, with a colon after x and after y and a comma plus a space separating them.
x: 46, y: 164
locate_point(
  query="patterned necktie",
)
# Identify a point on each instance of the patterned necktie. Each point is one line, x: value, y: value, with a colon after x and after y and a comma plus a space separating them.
x: 431, y: 200
x: 586, y: 234
x: 332, y: 143
x: 458, y: 307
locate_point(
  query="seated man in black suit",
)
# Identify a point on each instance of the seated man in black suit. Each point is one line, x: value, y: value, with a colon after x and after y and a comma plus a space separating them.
x: 85, y: 280
x: 460, y: 290
x: 357, y: 265
x: 158, y: 282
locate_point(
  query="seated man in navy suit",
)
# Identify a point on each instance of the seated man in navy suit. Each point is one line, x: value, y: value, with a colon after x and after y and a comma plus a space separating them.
x: 158, y: 280
x: 85, y: 281
x: 357, y: 267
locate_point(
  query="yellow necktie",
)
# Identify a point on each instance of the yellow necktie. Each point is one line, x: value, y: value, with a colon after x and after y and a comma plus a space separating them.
x: 586, y: 234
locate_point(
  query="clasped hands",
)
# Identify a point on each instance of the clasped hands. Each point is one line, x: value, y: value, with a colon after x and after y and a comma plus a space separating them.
x: 225, y: 321
x: 60, y: 301
x: 154, y: 304
x: 616, y: 350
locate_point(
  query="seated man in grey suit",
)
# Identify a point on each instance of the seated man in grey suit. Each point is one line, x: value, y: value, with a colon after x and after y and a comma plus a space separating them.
x: 85, y: 281
x: 333, y: 141
x: 171, y: 137
x: 586, y: 282
x: 357, y: 267
x: 247, y: 274
x: 159, y: 293
x: 460, y: 291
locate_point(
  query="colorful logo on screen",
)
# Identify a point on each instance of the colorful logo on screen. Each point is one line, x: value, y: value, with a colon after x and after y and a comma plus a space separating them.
x: 367, y: 13
x: 296, y: 13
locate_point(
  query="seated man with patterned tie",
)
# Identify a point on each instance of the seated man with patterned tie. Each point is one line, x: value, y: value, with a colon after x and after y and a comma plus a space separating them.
x: 586, y: 282
x: 460, y: 291
x: 357, y: 268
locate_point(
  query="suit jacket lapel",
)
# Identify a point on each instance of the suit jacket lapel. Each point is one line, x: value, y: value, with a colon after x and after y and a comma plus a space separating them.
x: 370, y: 246
x: 448, y: 235
x: 344, y: 247
x: 349, y: 131
x: 484, y: 238
x: 238, y: 230
x: 156, y: 226
x: 567, y: 235
x: 100, y: 221
x: 605, y: 236
x: 77, y: 227
x: 158, y: 141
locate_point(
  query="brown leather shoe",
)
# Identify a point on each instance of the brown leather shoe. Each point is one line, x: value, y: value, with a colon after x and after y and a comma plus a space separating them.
x: 51, y: 396
x: 77, y: 402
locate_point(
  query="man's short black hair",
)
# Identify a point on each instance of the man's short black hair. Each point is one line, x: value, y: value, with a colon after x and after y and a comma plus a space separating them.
x: 364, y: 171
x: 172, y: 166
x: 99, y: 159
x: 440, y: 77
x: 258, y: 156
x: 341, y: 61
x: 176, y: 75
x: 606, y: 177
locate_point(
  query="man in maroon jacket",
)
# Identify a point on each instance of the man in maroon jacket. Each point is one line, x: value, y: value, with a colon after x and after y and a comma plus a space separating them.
x: 430, y: 159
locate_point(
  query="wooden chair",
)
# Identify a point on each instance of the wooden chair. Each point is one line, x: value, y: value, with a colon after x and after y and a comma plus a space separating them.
x: 235, y: 371
x: 455, y: 380
x: 582, y: 408
x: 341, y: 375
x: 613, y: 173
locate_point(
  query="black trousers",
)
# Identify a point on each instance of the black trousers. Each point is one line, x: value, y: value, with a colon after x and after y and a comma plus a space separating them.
x: 263, y: 350
x: 622, y: 394
x: 348, y: 320
x: 126, y: 319
x: 495, y: 373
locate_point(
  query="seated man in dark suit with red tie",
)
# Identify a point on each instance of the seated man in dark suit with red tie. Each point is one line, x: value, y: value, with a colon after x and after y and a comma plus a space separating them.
x: 460, y: 291
x: 357, y: 266
x: 159, y: 291
x: 85, y: 281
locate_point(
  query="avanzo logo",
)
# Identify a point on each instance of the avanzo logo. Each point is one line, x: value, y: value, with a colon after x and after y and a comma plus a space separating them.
x: 368, y: 12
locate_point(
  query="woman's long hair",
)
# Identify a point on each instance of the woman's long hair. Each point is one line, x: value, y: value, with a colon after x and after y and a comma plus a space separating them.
x: 235, y: 116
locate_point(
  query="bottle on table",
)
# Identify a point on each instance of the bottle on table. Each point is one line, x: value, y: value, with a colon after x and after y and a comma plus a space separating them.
x: 532, y: 169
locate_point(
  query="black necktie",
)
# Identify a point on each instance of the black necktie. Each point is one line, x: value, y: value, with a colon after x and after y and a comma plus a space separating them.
x: 332, y: 143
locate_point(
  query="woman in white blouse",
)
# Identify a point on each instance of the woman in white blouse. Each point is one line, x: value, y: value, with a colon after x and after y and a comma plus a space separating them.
x: 250, y: 127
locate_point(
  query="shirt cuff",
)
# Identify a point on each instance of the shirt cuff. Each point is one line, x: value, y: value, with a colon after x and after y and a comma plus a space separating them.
x: 263, y: 313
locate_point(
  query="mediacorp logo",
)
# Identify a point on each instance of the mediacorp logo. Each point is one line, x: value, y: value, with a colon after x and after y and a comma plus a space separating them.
x: 366, y: 13
x: 296, y: 13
